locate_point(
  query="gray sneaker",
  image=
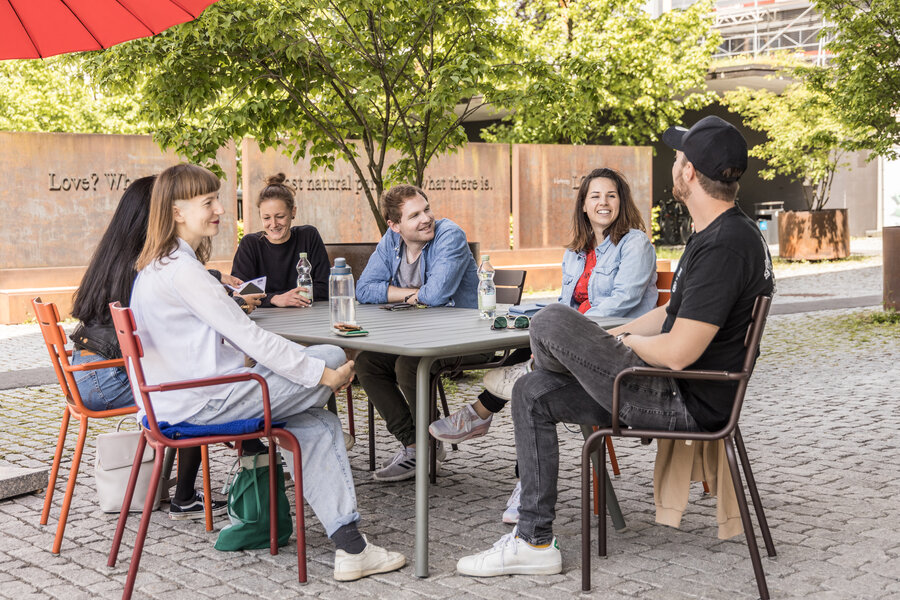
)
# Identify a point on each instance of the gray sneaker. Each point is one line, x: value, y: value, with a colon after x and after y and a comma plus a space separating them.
x: 500, y: 381
x: 403, y: 465
x: 372, y: 560
x: 462, y: 425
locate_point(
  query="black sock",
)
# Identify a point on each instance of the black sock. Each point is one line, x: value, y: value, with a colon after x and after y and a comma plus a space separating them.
x: 348, y: 539
x: 188, y: 466
x: 491, y: 402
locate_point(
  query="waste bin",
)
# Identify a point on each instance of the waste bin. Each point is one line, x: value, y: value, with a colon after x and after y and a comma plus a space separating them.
x: 767, y: 220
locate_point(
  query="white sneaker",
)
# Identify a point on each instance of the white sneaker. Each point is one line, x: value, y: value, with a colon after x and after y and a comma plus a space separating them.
x: 512, y: 556
x: 349, y: 441
x: 462, y: 425
x: 374, y: 559
x: 500, y: 381
x: 403, y: 465
x: 511, y: 514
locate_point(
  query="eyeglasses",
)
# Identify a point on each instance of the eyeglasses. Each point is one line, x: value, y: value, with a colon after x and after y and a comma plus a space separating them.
x: 510, y: 322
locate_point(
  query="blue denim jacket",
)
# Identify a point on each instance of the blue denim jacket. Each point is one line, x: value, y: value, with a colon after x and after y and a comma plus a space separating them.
x: 622, y: 284
x: 449, y: 273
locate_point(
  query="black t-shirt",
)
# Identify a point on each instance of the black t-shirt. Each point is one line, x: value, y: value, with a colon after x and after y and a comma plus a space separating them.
x: 722, y: 271
x: 257, y: 256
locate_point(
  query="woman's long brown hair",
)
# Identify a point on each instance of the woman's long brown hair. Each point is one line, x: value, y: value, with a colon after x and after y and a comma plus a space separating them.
x: 181, y: 182
x: 629, y: 217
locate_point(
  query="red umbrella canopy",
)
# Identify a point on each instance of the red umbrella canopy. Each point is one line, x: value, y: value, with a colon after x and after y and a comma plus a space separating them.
x: 41, y: 28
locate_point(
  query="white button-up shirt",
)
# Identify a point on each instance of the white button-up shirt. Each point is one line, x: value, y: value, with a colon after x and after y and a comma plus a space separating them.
x: 184, y: 319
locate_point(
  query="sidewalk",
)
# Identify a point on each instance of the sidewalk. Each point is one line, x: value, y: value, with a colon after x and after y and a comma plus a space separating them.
x: 820, y: 426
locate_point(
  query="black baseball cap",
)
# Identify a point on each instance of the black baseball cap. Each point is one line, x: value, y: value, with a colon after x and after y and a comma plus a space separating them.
x: 712, y: 145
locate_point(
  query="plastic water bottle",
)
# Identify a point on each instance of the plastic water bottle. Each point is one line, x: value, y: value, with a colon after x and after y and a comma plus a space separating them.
x: 342, y: 294
x: 487, y: 291
x: 304, y: 277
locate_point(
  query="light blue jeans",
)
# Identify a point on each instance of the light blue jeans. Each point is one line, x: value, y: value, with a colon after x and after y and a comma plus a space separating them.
x: 327, y: 481
x: 102, y: 389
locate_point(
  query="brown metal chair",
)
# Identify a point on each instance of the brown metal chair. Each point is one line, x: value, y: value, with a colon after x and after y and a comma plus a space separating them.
x: 730, y: 434
x: 132, y: 352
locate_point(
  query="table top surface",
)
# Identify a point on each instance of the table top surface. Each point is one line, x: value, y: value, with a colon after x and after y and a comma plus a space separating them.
x: 433, y: 331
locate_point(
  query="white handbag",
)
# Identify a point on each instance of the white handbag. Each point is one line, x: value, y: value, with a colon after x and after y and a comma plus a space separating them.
x: 112, y: 468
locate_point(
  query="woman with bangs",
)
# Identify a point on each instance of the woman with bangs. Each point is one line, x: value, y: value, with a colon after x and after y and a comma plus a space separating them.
x: 190, y: 329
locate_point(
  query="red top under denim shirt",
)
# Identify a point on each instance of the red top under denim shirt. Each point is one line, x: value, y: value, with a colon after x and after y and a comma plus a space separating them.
x: 581, y: 288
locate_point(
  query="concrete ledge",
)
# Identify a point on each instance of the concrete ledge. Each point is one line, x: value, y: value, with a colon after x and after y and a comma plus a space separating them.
x: 15, y: 481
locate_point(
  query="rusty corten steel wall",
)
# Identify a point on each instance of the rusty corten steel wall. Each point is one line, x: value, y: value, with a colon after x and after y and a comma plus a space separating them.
x: 471, y: 187
x: 545, y: 182
x: 891, y: 253
x: 59, y: 190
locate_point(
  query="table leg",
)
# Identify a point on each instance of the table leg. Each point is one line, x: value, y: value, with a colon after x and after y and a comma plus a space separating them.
x: 612, y: 502
x: 423, y: 387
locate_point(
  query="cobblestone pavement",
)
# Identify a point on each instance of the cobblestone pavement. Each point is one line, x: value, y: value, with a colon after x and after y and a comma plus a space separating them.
x: 820, y: 426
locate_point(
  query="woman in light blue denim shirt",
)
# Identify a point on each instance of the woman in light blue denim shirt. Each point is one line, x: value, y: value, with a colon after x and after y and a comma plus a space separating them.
x: 608, y: 231
x: 606, y: 222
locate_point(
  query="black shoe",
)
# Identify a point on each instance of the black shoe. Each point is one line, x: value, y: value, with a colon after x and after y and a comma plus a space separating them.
x: 193, y: 509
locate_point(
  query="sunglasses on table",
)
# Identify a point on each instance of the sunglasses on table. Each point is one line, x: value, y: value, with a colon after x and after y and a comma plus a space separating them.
x: 511, y: 322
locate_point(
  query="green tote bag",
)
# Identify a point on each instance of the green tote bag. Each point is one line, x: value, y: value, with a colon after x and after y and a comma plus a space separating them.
x: 248, y: 507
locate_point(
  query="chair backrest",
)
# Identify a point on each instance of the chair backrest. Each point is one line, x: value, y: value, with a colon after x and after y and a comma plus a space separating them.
x: 55, y: 339
x: 664, y: 286
x: 510, y: 283
x: 751, y: 343
x: 357, y: 255
x: 132, y: 352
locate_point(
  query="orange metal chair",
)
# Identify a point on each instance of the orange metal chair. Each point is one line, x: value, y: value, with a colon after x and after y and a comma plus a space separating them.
x: 132, y: 352
x: 55, y: 339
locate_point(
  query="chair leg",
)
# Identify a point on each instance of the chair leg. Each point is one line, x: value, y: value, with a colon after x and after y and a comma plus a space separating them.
x: 207, y: 487
x: 596, y: 491
x: 273, y: 499
x: 443, y: 394
x: 70, y: 486
x: 294, y: 447
x: 126, y: 501
x: 601, y: 518
x: 371, y: 436
x: 145, y: 521
x: 350, y: 422
x: 745, y: 519
x: 612, y: 456
x: 57, y: 457
x: 754, y: 493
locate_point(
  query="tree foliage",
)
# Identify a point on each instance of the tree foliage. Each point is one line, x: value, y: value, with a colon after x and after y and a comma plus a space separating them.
x: 354, y: 79
x: 56, y: 95
x: 805, y: 137
x: 609, y: 71
x: 864, y: 77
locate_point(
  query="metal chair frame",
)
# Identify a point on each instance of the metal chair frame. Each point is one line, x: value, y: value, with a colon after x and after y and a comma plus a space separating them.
x: 730, y: 434
x: 132, y: 352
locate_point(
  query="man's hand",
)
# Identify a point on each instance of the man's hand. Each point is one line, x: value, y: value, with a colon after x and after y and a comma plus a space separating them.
x: 291, y: 298
x: 340, y: 378
x: 252, y: 301
x: 231, y: 280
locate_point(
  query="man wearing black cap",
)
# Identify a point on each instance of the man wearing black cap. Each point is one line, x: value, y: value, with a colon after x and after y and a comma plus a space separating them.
x: 725, y: 266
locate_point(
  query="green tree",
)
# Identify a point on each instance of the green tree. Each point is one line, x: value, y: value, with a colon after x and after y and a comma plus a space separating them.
x: 354, y: 79
x: 56, y: 95
x: 610, y: 72
x: 863, y: 79
x: 805, y: 137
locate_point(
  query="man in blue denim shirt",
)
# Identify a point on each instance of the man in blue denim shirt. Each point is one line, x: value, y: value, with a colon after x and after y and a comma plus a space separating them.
x: 419, y: 260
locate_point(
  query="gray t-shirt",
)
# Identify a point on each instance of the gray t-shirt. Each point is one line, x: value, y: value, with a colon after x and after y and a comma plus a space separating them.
x: 408, y: 274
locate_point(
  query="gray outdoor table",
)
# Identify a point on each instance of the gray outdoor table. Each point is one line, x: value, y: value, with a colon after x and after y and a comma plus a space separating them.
x: 429, y: 333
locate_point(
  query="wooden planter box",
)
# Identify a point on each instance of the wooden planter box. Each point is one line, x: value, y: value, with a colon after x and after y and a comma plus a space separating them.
x: 813, y: 235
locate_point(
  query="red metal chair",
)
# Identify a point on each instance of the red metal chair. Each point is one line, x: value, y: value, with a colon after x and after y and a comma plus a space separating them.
x: 730, y: 434
x: 132, y: 352
x: 55, y: 338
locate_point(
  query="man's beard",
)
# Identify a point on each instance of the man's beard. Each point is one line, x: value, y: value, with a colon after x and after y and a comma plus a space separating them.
x: 680, y: 190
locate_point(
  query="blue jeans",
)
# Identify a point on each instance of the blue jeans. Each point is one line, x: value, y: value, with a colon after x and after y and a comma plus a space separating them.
x: 103, y: 389
x: 575, y: 364
x: 327, y: 481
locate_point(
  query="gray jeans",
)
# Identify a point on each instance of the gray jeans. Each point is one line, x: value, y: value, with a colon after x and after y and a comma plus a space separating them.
x: 327, y: 481
x: 575, y: 364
